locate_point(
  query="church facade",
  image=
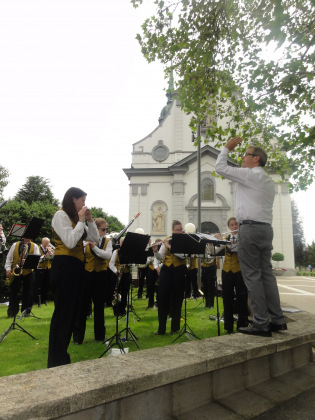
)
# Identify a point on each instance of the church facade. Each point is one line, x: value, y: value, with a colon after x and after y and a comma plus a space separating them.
x: 163, y: 185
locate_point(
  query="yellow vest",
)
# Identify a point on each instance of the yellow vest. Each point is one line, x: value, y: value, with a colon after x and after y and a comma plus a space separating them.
x: 171, y: 259
x: 118, y: 265
x: 46, y: 264
x: 231, y: 262
x: 16, y: 257
x: 204, y: 263
x: 193, y: 263
x: 61, y: 248
x: 93, y: 262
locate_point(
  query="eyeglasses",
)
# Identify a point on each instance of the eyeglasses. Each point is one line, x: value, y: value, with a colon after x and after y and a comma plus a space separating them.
x: 249, y: 154
x: 103, y: 229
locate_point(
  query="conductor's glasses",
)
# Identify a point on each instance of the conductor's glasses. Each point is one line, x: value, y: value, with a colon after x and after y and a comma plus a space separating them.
x: 249, y: 154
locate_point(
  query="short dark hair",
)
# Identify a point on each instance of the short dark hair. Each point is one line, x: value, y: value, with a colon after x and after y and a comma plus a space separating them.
x: 259, y: 151
x: 68, y: 205
x: 175, y: 223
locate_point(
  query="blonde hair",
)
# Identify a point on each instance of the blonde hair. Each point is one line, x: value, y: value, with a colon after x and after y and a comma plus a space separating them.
x: 99, y: 221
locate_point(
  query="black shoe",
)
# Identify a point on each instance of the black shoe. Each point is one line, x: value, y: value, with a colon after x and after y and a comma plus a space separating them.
x: 174, y: 332
x: 230, y: 332
x: 255, y: 331
x: 159, y: 333
x: 278, y: 327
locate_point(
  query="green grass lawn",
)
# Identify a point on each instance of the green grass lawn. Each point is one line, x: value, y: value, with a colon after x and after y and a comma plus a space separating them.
x: 20, y: 353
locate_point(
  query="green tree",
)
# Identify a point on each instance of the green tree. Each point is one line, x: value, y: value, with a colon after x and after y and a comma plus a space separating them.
x: 247, y: 63
x: 36, y: 189
x: 114, y: 225
x: 16, y: 212
x: 4, y: 173
x: 311, y: 255
x: 298, y: 235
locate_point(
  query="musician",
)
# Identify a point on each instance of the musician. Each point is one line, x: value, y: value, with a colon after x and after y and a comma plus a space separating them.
x: 67, y: 272
x: 16, y: 257
x: 153, y: 274
x: 233, y: 286
x: 255, y: 195
x: 171, y: 283
x: 42, y: 274
x: 208, y: 278
x: 142, y: 277
x: 123, y: 281
x: 96, y: 283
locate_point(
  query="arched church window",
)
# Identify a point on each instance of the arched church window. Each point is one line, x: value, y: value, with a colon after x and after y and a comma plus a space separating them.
x: 209, y: 227
x: 207, y: 190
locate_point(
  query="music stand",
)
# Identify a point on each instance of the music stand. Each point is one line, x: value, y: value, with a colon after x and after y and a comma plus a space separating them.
x: 215, y: 242
x: 183, y: 243
x: 33, y: 228
x: 17, y: 230
x: 131, y: 251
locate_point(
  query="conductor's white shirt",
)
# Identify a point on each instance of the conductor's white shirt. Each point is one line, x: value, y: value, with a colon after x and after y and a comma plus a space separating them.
x: 255, y: 191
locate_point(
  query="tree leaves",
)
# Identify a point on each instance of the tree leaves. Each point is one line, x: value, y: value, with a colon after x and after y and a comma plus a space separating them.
x: 249, y: 66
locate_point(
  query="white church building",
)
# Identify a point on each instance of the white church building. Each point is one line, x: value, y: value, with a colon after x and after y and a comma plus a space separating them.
x: 163, y: 185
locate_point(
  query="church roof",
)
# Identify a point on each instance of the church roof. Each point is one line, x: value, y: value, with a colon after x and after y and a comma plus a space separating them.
x: 181, y: 166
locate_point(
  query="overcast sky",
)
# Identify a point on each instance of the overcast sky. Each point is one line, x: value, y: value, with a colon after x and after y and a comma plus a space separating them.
x: 75, y: 93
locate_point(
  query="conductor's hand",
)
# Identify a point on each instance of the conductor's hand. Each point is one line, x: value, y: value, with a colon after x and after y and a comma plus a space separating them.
x: 233, y: 142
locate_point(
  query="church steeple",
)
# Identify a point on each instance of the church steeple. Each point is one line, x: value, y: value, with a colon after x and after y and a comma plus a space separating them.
x: 169, y: 94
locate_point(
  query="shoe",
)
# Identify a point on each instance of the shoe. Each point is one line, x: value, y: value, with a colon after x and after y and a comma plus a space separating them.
x: 278, y: 327
x: 255, y: 331
x: 159, y: 333
x: 230, y: 332
x: 174, y: 332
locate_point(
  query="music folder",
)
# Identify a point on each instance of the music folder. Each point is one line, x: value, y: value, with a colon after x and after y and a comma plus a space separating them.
x: 31, y: 261
x: 132, y: 250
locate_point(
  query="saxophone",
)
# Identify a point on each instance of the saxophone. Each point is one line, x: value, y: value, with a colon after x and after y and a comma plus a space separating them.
x: 18, y: 269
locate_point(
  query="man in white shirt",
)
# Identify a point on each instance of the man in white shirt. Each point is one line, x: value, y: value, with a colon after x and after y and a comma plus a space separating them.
x: 254, y: 200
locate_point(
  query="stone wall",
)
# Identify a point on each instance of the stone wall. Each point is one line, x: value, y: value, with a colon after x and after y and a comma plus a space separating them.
x: 212, y: 378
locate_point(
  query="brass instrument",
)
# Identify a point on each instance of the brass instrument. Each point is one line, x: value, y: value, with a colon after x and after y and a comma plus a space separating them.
x: 18, y: 269
x: 208, y: 259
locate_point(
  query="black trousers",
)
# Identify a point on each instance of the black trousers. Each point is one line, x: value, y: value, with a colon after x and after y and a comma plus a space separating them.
x: 100, y: 284
x: 27, y: 294
x: 170, y: 296
x: 123, y: 290
x: 192, y: 283
x: 152, y: 278
x: 234, y: 294
x: 142, y: 275
x: 41, y: 285
x: 208, y: 276
x: 67, y: 275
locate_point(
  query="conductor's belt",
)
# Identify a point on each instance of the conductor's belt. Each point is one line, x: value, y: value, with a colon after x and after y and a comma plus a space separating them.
x: 253, y: 222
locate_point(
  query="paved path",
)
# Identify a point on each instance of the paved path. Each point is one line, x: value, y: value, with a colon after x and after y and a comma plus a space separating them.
x: 296, y: 292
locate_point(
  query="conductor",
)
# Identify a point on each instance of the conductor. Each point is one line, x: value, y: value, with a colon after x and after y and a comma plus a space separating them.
x: 254, y: 201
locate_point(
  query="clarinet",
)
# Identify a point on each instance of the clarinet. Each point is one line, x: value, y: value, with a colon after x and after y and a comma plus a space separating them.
x: 117, y: 296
